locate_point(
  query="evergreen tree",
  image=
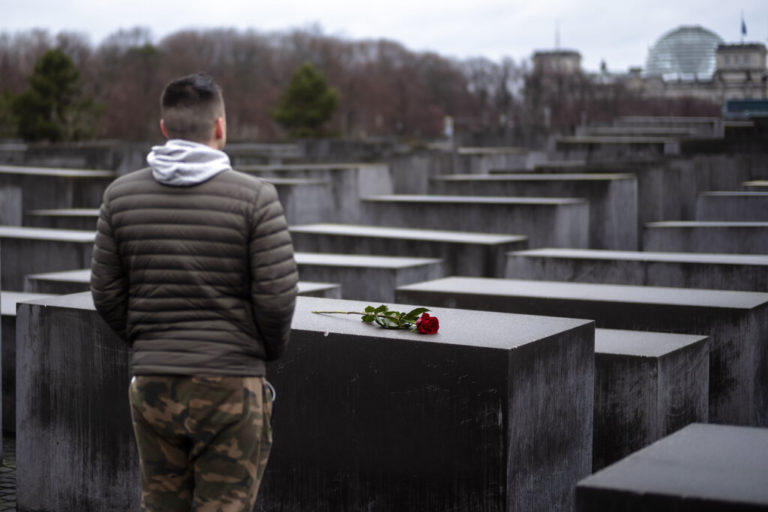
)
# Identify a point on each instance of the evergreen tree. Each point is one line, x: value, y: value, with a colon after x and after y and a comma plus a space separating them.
x: 54, y: 106
x: 307, y: 104
x: 7, y: 124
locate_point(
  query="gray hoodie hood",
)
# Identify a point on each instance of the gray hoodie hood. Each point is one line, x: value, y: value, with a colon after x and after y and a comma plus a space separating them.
x: 182, y: 163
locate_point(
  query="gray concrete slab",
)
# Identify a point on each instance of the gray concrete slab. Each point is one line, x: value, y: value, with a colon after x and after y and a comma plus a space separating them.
x: 463, y: 253
x: 77, y: 281
x: 340, y: 200
x: 757, y: 185
x: 249, y: 153
x: 82, y: 219
x: 546, y: 221
x: 668, y: 189
x: 492, y: 413
x: 681, y: 270
x: 639, y: 131
x: 363, y: 277
x: 44, y: 187
x: 612, y: 198
x: 699, y: 468
x: 665, y: 190
x: 616, y: 148
x: 305, y: 199
x: 323, y: 290
x: 59, y: 283
x: 480, y: 160
x: 706, y: 236
x: 8, y: 302
x: 736, y: 323
x: 647, y: 385
x: 33, y: 250
x: 702, y: 125
x: 732, y: 206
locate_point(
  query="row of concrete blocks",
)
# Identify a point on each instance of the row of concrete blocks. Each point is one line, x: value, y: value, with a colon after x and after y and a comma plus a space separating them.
x: 612, y: 209
x: 32, y: 251
x: 496, y: 412
x: 560, y: 229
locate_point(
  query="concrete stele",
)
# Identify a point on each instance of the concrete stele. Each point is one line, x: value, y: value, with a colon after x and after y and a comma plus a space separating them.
x: 77, y: 281
x: 746, y: 272
x: 701, y: 467
x: 706, y: 236
x: 613, y: 209
x: 471, y: 424
x: 364, y: 277
x: 736, y: 322
x: 546, y: 221
x: 464, y: 253
x: 647, y: 385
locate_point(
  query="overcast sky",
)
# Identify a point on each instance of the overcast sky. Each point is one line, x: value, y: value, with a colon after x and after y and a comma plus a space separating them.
x: 617, y: 31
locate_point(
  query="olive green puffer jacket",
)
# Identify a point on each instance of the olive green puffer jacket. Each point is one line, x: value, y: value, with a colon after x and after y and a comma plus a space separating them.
x: 200, y: 279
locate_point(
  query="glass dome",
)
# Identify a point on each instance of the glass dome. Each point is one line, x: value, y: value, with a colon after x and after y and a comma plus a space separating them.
x: 686, y: 53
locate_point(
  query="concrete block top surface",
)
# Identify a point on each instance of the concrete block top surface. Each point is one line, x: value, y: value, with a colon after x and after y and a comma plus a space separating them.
x: 502, y: 331
x: 63, y: 235
x: 706, y: 224
x: 84, y: 276
x: 8, y: 300
x: 312, y: 286
x: 67, y: 212
x: 733, y: 193
x: 561, y: 164
x: 304, y: 167
x: 504, y: 150
x: 641, y: 343
x: 659, y: 257
x: 294, y: 182
x: 69, y: 276
x: 435, y: 199
x: 49, y: 171
x: 535, y: 177
x: 709, y: 462
x: 457, y: 326
x: 756, y: 183
x: 615, y: 139
x: 593, y: 292
x: 360, y: 261
x: 408, y: 233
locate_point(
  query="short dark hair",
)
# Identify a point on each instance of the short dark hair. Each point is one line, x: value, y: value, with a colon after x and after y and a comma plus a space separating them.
x: 190, y: 106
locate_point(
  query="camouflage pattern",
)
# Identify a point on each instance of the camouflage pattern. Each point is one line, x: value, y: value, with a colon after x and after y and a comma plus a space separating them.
x: 201, y: 440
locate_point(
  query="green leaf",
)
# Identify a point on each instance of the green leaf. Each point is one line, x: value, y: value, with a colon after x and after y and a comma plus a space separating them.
x: 381, y: 309
x: 414, y: 314
x: 367, y: 318
x: 370, y: 309
x: 387, y: 323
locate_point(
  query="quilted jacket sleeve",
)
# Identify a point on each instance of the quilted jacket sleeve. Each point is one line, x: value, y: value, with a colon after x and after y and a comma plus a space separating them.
x: 274, y: 275
x: 109, y: 284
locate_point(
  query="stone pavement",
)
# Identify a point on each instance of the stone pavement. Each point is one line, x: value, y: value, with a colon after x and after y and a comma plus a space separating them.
x: 8, y: 476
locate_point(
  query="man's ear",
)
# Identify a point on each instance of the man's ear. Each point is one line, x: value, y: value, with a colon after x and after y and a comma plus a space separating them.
x: 220, y: 128
x: 162, y: 128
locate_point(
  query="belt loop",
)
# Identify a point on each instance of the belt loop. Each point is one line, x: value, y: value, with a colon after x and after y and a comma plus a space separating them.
x: 272, y: 391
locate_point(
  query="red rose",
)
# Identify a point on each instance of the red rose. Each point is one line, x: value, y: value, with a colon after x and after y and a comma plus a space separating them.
x: 427, y: 324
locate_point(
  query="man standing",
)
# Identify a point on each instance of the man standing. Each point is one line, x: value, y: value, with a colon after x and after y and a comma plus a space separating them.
x: 193, y: 266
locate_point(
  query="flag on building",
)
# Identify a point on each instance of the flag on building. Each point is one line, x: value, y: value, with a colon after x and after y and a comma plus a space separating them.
x: 743, y: 27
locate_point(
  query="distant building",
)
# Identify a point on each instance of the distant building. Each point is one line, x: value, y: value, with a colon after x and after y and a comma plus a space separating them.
x: 691, y: 61
x: 557, y: 62
x: 683, y: 54
x: 741, y: 71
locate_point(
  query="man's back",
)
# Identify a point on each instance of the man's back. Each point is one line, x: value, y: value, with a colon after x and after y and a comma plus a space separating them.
x: 210, y: 273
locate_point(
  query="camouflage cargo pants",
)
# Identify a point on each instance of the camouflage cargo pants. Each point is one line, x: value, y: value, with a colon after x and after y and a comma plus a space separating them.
x: 201, y: 439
